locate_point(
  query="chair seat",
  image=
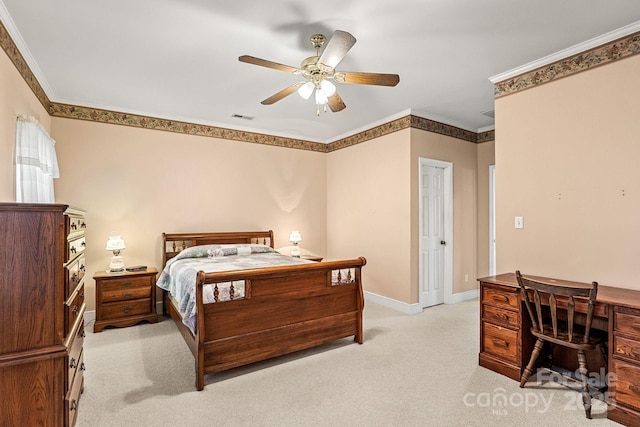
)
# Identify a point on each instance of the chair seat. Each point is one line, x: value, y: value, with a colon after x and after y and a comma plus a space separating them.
x: 596, y: 337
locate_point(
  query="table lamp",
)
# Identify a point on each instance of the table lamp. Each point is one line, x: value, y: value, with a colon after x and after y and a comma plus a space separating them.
x: 116, y: 244
x: 295, y: 238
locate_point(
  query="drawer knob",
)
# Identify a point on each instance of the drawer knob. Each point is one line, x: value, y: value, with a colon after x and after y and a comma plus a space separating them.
x: 75, y: 310
x: 73, y: 363
x: 127, y: 283
x: 83, y: 367
x: 127, y: 309
x: 72, y: 249
x: 127, y: 295
x: 83, y: 334
x: 74, y: 405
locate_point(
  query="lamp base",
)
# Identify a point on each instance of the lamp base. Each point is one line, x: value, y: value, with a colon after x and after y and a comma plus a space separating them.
x: 116, y: 265
x: 295, y: 251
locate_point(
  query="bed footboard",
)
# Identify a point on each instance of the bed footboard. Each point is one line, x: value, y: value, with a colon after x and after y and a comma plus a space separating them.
x: 284, y: 309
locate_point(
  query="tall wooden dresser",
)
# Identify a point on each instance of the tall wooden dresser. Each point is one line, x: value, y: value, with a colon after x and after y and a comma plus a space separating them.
x: 42, y: 266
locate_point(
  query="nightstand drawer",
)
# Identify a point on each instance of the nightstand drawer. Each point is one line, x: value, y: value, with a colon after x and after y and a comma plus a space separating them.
x: 125, y: 294
x: 125, y: 284
x: 118, y: 310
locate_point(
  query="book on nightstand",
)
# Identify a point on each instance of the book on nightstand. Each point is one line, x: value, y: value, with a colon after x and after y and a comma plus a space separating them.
x: 137, y: 268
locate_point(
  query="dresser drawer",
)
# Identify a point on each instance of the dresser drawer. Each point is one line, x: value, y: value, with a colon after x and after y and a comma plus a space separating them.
x: 500, y: 315
x: 76, y: 225
x: 118, y: 310
x: 75, y: 351
x: 501, y: 297
x: 74, y: 308
x: 72, y: 399
x: 75, y: 273
x: 500, y: 342
x: 627, y: 383
x: 76, y: 246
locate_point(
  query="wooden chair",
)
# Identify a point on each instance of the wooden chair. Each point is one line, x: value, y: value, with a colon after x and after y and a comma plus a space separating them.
x: 557, y: 324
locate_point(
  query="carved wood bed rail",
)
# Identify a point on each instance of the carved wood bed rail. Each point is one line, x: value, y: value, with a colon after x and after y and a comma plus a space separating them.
x: 284, y: 309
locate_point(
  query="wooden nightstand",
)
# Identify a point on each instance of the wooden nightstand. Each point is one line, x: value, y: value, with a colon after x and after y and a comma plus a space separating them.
x: 304, y: 253
x: 124, y: 299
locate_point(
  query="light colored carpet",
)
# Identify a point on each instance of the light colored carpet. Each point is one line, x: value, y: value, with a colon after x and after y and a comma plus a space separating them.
x: 419, y: 370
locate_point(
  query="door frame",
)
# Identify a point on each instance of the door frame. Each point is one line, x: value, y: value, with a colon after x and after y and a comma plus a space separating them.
x: 492, y: 220
x: 448, y: 226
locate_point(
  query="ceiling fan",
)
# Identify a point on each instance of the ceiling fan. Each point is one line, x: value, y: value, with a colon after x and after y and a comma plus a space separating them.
x: 318, y: 70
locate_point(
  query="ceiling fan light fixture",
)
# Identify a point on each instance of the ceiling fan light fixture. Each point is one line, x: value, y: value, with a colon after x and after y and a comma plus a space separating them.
x: 328, y: 88
x: 321, y: 98
x: 306, y: 90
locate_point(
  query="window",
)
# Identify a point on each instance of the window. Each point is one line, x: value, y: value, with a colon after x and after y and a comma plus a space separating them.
x: 36, y: 162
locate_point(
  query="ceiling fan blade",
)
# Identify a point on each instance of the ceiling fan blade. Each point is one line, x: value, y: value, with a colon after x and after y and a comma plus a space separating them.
x: 284, y: 92
x: 335, y: 103
x: 367, y: 78
x: 336, y: 48
x: 269, y: 64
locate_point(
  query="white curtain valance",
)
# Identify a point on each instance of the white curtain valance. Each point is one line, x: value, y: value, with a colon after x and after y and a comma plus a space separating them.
x: 36, y: 162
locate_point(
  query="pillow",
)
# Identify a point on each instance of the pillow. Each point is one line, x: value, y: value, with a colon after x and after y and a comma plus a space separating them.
x: 210, y: 251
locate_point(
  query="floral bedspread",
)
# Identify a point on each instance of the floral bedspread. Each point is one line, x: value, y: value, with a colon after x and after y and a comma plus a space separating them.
x: 179, y: 275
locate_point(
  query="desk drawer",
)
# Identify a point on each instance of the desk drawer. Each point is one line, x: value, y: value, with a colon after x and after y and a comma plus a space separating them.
x: 501, y: 342
x: 626, y: 347
x: 627, y: 384
x: 627, y: 321
x: 501, y: 297
x: 500, y: 315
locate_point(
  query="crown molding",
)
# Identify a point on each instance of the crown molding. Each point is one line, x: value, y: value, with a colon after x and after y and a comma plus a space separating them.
x: 598, y: 51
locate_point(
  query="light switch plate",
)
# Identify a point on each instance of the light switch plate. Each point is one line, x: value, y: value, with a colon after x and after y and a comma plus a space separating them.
x: 519, y: 222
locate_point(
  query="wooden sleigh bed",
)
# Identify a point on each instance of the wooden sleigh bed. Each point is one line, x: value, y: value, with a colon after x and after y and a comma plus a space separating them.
x: 283, y: 309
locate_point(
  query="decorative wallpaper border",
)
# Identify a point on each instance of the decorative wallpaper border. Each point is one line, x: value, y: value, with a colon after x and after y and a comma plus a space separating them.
x: 113, y: 117
x: 601, y: 55
x: 16, y: 57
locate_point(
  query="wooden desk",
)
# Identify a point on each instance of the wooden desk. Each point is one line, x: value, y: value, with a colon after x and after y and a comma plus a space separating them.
x: 506, y: 343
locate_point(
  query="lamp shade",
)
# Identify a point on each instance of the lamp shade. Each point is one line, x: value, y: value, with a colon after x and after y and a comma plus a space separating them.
x: 115, y: 243
x: 295, y: 237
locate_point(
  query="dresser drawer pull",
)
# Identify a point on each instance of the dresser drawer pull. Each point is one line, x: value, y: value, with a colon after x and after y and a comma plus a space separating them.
x: 74, y: 226
x: 74, y: 405
x: 500, y: 343
x: 83, y: 244
x: 82, y: 296
x: 83, y: 367
x: 72, y: 249
x: 127, y: 295
x: 127, y: 309
x: 82, y: 267
x: 83, y: 225
x: 634, y: 388
x: 83, y: 334
x: 75, y: 310
x: 73, y: 363
x: 74, y: 278
x: 127, y: 283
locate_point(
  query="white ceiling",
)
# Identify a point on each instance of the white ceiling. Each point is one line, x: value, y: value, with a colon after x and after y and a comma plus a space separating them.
x: 178, y: 59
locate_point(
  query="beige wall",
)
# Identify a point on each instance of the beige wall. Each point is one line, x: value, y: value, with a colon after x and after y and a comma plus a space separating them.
x: 368, y: 212
x: 567, y: 156
x: 486, y: 157
x: 140, y: 183
x: 15, y: 98
x: 463, y: 156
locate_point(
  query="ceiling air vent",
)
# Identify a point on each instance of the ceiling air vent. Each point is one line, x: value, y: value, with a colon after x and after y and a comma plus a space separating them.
x: 240, y: 116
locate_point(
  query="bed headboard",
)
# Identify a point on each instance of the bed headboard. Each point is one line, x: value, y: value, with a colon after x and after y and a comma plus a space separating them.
x: 173, y: 243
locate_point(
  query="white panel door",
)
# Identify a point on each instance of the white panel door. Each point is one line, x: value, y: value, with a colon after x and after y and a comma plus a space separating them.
x: 433, y: 238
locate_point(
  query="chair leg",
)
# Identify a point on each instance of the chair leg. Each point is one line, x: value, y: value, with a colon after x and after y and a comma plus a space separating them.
x: 529, y: 369
x: 586, y: 396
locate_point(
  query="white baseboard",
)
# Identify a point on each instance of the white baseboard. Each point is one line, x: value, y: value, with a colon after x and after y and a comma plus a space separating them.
x: 406, y: 308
